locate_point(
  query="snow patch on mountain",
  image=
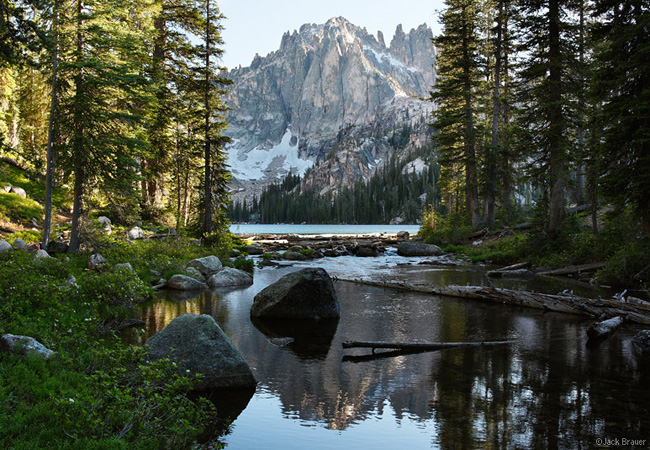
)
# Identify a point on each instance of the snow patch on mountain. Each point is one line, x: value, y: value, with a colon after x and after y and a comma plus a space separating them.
x: 260, y: 163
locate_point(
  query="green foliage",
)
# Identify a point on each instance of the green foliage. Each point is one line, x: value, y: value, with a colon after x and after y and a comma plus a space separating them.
x: 244, y: 264
x: 98, y: 393
x: 27, y: 236
x: 107, y: 397
x: 116, y: 291
x: 18, y: 209
x: 444, y: 231
x: 630, y: 266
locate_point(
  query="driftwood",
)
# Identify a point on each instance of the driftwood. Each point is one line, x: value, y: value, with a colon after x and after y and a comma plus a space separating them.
x: 428, y: 346
x: 604, y: 329
x: 567, y: 303
x: 570, y: 270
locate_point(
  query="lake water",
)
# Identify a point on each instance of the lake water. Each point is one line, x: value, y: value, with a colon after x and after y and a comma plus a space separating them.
x: 259, y: 228
x: 545, y: 390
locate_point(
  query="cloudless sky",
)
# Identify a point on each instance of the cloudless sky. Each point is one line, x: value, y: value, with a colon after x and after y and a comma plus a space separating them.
x: 257, y: 26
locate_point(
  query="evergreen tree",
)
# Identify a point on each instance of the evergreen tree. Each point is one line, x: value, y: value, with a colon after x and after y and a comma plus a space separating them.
x: 99, y: 115
x: 459, y: 74
x: 622, y: 86
x: 547, y: 112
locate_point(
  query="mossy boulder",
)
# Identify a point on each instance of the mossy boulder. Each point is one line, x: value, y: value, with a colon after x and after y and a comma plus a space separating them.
x: 197, y: 345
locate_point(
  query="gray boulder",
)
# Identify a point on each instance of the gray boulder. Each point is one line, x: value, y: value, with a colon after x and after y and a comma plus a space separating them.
x: 135, y: 233
x: 24, y: 345
x: 19, y: 243
x: 184, y: 283
x: 418, y: 249
x: 206, y: 265
x: 18, y: 191
x: 403, y: 235
x: 97, y: 262
x: 57, y: 247
x: 5, y: 246
x: 126, y: 266
x: 106, y: 224
x: 294, y: 256
x: 254, y: 250
x: 6, y: 188
x: 365, y: 251
x: 197, y: 345
x: 194, y: 273
x: 230, y: 277
x: 42, y: 254
x: 305, y: 294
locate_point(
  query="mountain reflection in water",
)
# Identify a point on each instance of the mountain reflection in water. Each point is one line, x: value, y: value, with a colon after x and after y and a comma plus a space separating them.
x: 547, y: 390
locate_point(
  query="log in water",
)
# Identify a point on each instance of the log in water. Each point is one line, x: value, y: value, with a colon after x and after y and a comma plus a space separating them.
x: 567, y: 303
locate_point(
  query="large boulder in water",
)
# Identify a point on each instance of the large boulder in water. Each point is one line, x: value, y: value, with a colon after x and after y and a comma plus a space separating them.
x: 184, y: 283
x: 198, y: 345
x: 418, y: 249
x: 305, y: 294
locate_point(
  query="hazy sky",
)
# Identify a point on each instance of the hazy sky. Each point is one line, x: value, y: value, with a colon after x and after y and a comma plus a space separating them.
x: 257, y: 26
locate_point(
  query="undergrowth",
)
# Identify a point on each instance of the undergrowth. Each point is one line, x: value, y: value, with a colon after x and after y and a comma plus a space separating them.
x: 97, y: 392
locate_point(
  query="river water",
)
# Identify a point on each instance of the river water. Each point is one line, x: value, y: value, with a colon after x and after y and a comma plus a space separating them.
x: 545, y: 390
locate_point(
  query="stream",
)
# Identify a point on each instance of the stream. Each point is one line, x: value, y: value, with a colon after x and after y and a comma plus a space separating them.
x: 545, y: 390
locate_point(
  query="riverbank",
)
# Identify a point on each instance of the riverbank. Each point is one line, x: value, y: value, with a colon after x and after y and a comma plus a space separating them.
x: 96, y: 392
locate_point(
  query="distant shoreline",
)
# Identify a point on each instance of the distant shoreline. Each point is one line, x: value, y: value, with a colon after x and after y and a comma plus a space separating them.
x: 323, y: 230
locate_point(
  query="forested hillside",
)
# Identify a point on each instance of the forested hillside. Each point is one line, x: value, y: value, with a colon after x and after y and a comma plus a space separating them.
x: 115, y: 100
x: 395, y: 193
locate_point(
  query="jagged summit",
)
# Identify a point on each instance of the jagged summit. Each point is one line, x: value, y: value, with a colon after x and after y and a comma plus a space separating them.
x: 291, y: 106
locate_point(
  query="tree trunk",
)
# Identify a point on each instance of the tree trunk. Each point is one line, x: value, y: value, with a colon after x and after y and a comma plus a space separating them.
x: 78, y: 141
x: 557, y: 156
x: 51, y: 131
x: 471, y: 179
x: 207, y: 194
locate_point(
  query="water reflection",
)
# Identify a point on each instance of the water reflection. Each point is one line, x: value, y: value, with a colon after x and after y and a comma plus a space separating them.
x: 307, y: 339
x: 548, y: 390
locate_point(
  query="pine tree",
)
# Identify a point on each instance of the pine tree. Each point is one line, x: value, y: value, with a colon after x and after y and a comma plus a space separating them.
x: 99, y: 109
x: 459, y: 75
x: 622, y: 86
x: 547, y: 113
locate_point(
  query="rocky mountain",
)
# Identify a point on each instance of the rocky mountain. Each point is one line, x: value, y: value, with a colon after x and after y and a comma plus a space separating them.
x: 331, y: 104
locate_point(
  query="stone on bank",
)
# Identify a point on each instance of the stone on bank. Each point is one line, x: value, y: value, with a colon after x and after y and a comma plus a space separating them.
x: 198, y: 345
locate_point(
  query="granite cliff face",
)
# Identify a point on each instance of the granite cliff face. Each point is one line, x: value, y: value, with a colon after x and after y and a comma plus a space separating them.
x: 329, y: 103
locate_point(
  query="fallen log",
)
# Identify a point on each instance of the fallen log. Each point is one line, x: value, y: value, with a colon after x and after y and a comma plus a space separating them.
x: 430, y: 346
x: 567, y: 303
x: 570, y: 270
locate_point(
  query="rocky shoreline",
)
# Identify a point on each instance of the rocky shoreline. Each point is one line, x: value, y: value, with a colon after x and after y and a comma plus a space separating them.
x: 301, y: 247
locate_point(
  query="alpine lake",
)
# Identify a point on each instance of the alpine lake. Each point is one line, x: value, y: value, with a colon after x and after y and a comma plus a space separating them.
x: 547, y: 389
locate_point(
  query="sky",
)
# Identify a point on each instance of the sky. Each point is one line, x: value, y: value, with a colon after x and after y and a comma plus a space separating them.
x: 257, y: 26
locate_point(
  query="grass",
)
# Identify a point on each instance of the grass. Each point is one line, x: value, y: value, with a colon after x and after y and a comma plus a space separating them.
x: 98, y: 392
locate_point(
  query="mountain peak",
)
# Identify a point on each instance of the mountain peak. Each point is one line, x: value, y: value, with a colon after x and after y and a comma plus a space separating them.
x: 288, y: 108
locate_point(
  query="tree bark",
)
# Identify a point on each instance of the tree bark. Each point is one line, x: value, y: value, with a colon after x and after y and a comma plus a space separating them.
x: 207, y: 194
x: 78, y: 140
x: 557, y: 157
